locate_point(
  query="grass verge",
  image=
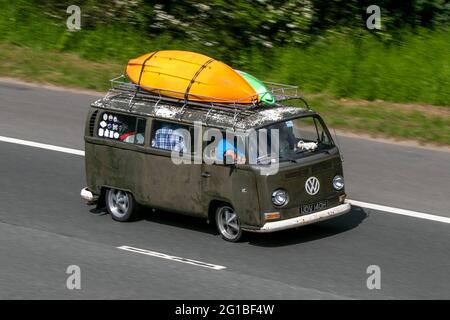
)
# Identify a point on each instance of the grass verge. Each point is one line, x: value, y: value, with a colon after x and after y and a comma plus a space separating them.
x: 422, y: 123
x: 54, y: 67
x: 410, y: 67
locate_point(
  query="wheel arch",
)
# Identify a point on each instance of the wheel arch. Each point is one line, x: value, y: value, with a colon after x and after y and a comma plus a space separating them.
x: 102, y: 198
x: 213, y: 205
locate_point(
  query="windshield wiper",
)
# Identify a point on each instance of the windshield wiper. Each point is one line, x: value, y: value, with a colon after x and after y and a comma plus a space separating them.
x: 270, y: 157
x: 303, y: 150
x: 289, y: 159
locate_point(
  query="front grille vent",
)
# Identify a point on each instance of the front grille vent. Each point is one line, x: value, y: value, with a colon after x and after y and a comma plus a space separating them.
x: 92, y: 123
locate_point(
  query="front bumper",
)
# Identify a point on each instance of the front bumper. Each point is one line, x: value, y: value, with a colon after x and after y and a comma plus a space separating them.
x: 304, y: 220
x: 88, y: 196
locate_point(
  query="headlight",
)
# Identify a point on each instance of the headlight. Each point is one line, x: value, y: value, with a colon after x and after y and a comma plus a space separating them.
x: 338, y: 182
x: 279, y: 197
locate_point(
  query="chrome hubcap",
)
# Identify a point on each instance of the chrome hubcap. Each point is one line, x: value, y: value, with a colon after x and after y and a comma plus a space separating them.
x: 228, y: 222
x: 118, y: 202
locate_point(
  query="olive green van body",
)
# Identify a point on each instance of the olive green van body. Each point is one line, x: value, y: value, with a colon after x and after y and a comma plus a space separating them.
x: 153, y: 179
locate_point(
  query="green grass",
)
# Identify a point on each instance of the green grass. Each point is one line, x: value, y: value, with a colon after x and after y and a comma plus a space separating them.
x: 423, y: 123
x: 413, y: 68
x: 46, y: 66
x: 417, y: 69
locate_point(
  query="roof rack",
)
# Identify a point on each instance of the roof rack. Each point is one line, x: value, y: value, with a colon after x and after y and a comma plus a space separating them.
x: 121, y: 87
x: 122, y: 83
x: 281, y: 91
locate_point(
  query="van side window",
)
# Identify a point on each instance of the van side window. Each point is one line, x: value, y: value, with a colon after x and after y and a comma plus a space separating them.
x: 121, y: 127
x: 233, y: 146
x: 166, y: 136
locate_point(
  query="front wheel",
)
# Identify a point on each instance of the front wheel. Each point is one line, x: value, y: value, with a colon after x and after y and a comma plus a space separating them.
x: 120, y: 205
x: 228, y: 224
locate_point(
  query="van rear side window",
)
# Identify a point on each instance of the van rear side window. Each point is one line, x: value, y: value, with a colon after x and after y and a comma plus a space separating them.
x: 170, y: 136
x: 121, y: 127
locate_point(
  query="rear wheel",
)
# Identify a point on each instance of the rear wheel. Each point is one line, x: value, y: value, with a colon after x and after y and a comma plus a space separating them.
x: 228, y: 225
x: 120, y: 205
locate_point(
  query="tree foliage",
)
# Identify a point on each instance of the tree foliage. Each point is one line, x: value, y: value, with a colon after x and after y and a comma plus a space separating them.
x: 243, y: 23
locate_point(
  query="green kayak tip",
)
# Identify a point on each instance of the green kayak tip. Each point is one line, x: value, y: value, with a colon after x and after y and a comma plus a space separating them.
x: 264, y: 94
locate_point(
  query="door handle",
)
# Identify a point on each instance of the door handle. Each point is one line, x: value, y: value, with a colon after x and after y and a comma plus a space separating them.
x: 206, y: 174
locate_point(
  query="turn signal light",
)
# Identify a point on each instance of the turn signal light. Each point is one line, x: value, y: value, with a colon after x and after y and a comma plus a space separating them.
x: 342, y: 198
x: 272, y: 215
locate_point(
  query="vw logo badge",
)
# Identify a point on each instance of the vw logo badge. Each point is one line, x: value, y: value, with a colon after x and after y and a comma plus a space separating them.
x: 312, y: 186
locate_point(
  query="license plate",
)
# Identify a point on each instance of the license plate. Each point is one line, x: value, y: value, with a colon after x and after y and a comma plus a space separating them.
x: 313, y: 207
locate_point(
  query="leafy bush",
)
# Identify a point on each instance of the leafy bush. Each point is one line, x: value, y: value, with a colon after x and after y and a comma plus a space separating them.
x: 323, y: 46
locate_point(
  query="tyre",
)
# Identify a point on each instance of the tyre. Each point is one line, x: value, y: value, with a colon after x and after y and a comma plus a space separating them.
x: 120, y: 205
x: 228, y: 224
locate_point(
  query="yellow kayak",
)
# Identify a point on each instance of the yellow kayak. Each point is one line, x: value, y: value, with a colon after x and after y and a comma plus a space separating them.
x: 190, y: 75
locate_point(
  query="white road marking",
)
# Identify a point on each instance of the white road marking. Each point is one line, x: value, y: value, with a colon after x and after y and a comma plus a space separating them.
x: 173, y: 258
x: 415, y: 214
x: 42, y: 146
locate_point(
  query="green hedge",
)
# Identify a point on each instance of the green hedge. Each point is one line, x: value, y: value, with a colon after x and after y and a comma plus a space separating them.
x: 412, y: 66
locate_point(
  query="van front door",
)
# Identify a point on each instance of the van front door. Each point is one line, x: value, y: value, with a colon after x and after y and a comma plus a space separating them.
x: 231, y: 184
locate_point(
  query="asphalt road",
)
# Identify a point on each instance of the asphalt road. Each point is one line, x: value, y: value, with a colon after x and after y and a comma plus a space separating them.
x: 45, y: 227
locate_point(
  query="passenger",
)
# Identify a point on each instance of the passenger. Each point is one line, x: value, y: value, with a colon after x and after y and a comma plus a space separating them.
x: 226, y: 148
x: 133, y: 137
x: 168, y: 139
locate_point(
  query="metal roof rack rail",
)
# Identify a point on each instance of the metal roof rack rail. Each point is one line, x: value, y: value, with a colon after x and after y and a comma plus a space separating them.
x: 283, y: 92
x: 121, y: 87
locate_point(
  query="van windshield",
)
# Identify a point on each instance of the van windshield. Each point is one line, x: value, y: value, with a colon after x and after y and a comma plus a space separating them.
x: 296, y: 138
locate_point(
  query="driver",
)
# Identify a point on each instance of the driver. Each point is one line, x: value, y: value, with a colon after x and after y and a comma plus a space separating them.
x: 286, y: 138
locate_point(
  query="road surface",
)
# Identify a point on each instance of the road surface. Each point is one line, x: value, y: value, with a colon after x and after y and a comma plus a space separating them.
x: 45, y: 227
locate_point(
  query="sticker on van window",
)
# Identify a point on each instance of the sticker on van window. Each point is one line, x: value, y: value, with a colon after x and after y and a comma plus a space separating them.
x: 119, y: 127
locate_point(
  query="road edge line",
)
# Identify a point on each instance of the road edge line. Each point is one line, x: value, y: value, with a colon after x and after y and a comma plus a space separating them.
x: 404, y: 212
x: 42, y: 146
